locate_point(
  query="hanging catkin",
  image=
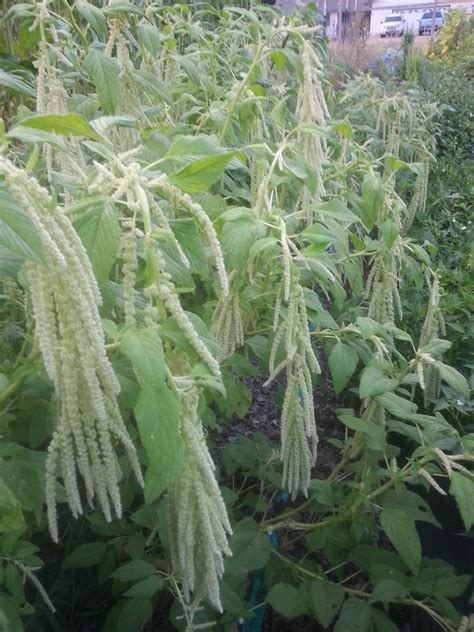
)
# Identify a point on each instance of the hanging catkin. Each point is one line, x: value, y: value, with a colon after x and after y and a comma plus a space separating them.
x: 65, y: 300
x: 198, y: 522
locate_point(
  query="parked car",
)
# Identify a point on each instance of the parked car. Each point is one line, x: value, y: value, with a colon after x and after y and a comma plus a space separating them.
x: 393, y: 26
x: 426, y: 22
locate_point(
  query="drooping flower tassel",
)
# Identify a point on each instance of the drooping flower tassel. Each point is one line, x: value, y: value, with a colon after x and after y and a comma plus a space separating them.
x: 198, y: 522
x: 299, y: 438
x: 65, y: 300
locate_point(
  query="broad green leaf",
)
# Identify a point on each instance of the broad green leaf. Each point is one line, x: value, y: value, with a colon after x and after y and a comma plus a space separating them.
x: 238, y: 236
x: 286, y: 600
x: 388, y: 590
x: 382, y: 622
x: 157, y: 416
x: 326, y: 599
x: 374, y: 382
x: 93, y: 15
x: 105, y: 72
x: 146, y: 587
x: 9, y: 618
x: 14, y: 83
x: 437, y: 577
x: 17, y: 232
x: 396, y: 405
x: 401, y: 530
x: 62, y: 124
x: 372, y: 199
x: 368, y: 327
x: 200, y: 174
x: 454, y: 379
x: 462, y: 488
x: 342, y: 364
x: 409, y: 502
x: 187, y: 234
x: 11, y: 515
x: 134, y: 613
x: 134, y: 571
x: 10, y: 264
x: 374, y: 435
x: 149, y: 37
x: 99, y: 231
x: 335, y: 208
x: 389, y: 231
x: 251, y: 549
x: 121, y: 6
x: 355, y: 616
x: 145, y: 351
x: 86, y: 555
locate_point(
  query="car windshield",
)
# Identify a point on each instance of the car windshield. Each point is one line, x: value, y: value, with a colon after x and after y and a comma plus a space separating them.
x: 430, y: 16
x: 393, y: 18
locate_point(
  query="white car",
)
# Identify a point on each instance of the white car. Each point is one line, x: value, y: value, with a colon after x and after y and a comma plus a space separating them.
x: 393, y: 26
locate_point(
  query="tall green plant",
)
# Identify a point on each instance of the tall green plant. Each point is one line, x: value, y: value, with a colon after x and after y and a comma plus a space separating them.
x: 182, y: 208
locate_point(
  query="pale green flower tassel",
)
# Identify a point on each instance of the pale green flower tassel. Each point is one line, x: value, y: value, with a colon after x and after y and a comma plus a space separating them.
x: 198, y: 521
x: 65, y: 300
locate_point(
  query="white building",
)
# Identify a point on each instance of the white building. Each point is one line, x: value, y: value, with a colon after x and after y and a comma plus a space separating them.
x: 410, y: 10
x: 374, y: 11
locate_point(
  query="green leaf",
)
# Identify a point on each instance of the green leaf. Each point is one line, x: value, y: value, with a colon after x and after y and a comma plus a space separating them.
x: 326, y: 599
x: 355, y: 616
x: 17, y: 232
x: 134, y: 613
x: 374, y: 435
x: 387, y: 590
x: 286, y: 600
x: 86, y: 555
x: 105, y: 72
x: 372, y: 200
x: 99, y: 231
x: 238, y: 236
x: 9, y: 619
x: 396, y: 405
x: 401, y: 530
x: 389, y: 232
x: 14, y: 83
x: 133, y: 571
x: 11, y: 515
x: 409, y: 502
x: 62, y: 124
x: 146, y: 587
x: 93, y: 15
x: 157, y: 416
x: 251, y: 549
x: 374, y: 382
x: 382, y: 622
x: 342, y: 364
x: 454, y: 379
x: 335, y: 208
x: 149, y: 37
x: 200, y: 174
x: 145, y: 351
x: 462, y: 488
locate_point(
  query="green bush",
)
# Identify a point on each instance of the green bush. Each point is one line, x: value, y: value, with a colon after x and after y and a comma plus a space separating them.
x: 193, y: 220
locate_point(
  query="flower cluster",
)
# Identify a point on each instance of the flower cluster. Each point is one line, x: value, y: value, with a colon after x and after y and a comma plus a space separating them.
x: 198, y: 522
x: 65, y: 300
x: 311, y: 108
x: 382, y: 289
x: 433, y: 325
x: 226, y: 325
x: 298, y: 426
